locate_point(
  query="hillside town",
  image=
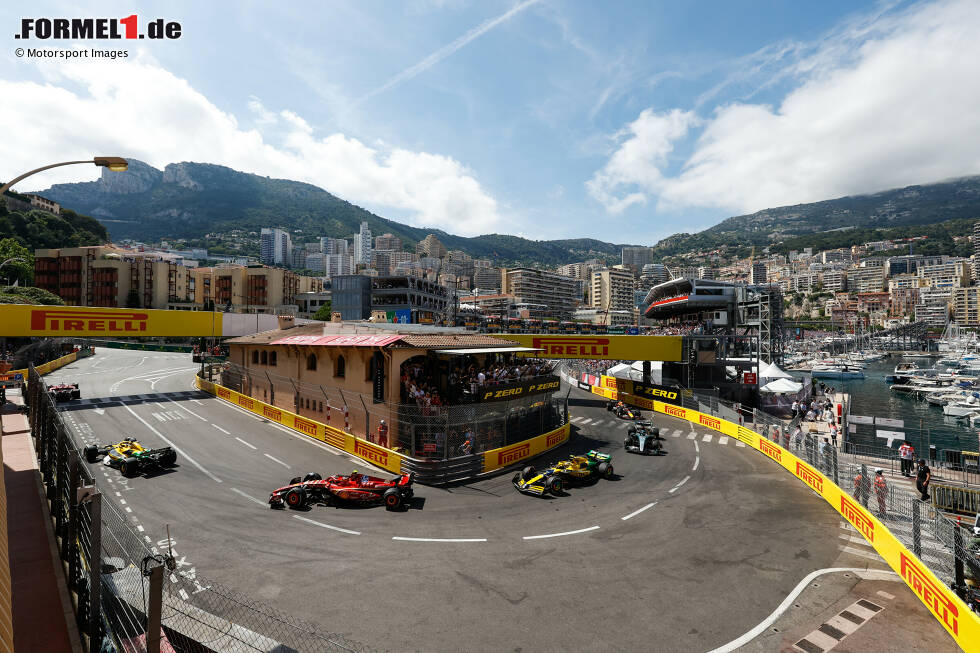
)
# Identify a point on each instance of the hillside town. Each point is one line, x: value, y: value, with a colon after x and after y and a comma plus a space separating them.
x: 381, y: 277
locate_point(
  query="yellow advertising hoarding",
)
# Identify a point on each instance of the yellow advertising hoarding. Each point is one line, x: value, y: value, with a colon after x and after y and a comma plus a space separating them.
x: 506, y: 456
x: 637, y: 348
x: 372, y: 453
x: 18, y: 320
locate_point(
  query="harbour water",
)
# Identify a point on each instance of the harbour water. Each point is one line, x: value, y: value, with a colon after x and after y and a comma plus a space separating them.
x: 924, y: 423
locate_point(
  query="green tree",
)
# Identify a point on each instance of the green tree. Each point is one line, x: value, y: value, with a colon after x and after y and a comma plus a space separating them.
x: 323, y: 313
x: 29, y: 295
x: 21, y: 270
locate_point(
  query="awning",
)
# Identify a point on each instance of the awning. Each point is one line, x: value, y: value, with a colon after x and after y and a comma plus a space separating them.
x: 485, y: 350
x: 339, y: 340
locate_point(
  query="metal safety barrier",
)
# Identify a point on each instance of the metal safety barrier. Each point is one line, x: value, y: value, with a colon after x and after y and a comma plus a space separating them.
x: 955, y: 499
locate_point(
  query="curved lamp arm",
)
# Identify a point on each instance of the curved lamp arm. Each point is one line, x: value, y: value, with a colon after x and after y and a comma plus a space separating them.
x: 115, y: 163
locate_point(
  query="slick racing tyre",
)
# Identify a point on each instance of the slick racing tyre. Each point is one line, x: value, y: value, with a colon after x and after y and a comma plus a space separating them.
x: 295, y: 498
x: 517, y: 478
x: 393, y: 499
x: 554, y: 484
x: 169, y: 459
x: 129, y: 467
x: 312, y: 476
x: 605, y: 470
x: 91, y: 453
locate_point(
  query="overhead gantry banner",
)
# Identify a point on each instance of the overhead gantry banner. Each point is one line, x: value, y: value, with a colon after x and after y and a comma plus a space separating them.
x: 635, y: 348
x: 18, y: 320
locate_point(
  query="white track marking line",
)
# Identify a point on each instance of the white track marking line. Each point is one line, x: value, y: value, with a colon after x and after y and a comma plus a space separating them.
x: 739, y: 444
x: 439, y: 539
x: 692, y: 435
x: 678, y: 486
x: 249, y: 497
x: 333, y: 528
x: 697, y: 448
x: 577, y: 419
x: 706, y: 438
x: 584, y: 421
x: 854, y: 538
x: 637, y: 512
x: 859, y: 552
x: 723, y: 439
x: 203, y: 419
x: 220, y: 429
x: 122, y: 501
x: 175, y: 447
x: 677, y: 433
x: 246, y: 443
x: 128, y: 509
x: 198, y: 402
x: 542, y: 537
x: 140, y: 528
x: 885, y: 595
x: 697, y: 461
x: 277, y: 460
x: 780, y: 609
x: 299, y: 436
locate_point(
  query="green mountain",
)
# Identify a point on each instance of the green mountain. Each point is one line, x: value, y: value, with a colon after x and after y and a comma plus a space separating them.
x: 892, y: 213
x: 192, y: 200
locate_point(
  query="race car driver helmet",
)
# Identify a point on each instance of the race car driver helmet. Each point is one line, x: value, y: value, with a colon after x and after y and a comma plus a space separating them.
x: 354, y: 475
x: 879, y: 470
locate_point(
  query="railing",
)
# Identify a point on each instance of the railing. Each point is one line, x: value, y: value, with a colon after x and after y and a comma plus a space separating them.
x: 121, y: 584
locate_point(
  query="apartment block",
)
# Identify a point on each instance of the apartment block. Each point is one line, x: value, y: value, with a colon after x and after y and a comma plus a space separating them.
x: 554, y: 292
x: 966, y: 306
x: 612, y: 289
x: 111, y: 277
x: 388, y: 242
x: 866, y: 279
x: 252, y: 289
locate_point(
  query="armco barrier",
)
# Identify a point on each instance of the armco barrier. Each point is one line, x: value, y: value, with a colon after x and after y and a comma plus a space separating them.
x: 951, y: 612
x: 372, y: 453
x: 50, y: 366
x: 428, y: 471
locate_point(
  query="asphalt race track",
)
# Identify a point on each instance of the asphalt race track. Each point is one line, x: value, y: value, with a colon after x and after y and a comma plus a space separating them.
x: 682, y: 552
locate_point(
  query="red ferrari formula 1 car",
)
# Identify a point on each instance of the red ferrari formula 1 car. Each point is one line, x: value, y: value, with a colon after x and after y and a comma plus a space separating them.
x: 65, y: 392
x: 339, y: 489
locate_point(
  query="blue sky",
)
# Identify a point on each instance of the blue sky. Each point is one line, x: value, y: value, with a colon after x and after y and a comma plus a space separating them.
x: 623, y: 121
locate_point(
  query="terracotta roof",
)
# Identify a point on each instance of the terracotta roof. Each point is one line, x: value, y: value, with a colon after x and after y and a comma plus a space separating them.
x: 413, y: 340
x: 448, y: 341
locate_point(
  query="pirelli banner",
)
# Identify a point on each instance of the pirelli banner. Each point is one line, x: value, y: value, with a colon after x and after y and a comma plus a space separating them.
x: 18, y: 320
x: 637, y: 348
x: 515, y: 453
x: 519, y: 389
x: 642, y: 394
x: 951, y: 612
x: 372, y: 453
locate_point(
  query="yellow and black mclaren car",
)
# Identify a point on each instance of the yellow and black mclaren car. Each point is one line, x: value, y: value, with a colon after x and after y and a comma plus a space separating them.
x: 574, y: 470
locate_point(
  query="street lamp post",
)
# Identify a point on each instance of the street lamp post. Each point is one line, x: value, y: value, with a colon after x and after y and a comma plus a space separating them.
x: 12, y: 258
x: 114, y: 163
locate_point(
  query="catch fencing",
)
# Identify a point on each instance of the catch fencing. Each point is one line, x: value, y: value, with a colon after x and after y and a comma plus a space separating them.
x: 129, y: 591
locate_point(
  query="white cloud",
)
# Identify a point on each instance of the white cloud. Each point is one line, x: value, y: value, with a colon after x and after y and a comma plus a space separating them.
x: 875, y: 106
x: 137, y: 109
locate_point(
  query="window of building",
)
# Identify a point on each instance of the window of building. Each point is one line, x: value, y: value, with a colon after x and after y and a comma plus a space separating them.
x: 340, y: 367
x: 265, y: 358
x: 273, y: 357
x: 255, y: 357
x: 311, y: 362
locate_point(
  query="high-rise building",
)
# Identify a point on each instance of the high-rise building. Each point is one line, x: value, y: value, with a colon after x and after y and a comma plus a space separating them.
x: 430, y: 247
x: 362, y: 245
x: 757, y: 274
x: 338, y: 264
x: 275, y: 246
x: 486, y: 278
x: 315, y: 261
x: 554, y: 293
x: 654, y: 273
x: 334, y: 246
x: 388, y: 242
x: 637, y: 257
x: 966, y: 306
x: 612, y: 289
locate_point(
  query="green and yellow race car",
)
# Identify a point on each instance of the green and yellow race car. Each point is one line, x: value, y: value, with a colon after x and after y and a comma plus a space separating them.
x: 130, y: 457
x: 576, y: 470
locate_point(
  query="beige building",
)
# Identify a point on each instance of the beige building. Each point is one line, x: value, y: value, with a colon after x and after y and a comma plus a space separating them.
x: 431, y: 247
x: 388, y: 242
x: 252, y: 289
x: 612, y: 289
x: 966, y: 306
x: 111, y: 277
x: 553, y: 292
x: 45, y: 204
x: 866, y: 279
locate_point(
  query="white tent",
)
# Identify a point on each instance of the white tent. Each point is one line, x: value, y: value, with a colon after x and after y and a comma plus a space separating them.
x: 782, y: 386
x: 772, y: 371
x: 635, y: 371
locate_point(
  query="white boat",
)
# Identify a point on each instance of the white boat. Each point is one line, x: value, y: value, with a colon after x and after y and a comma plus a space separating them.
x: 835, y: 371
x: 963, y: 407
